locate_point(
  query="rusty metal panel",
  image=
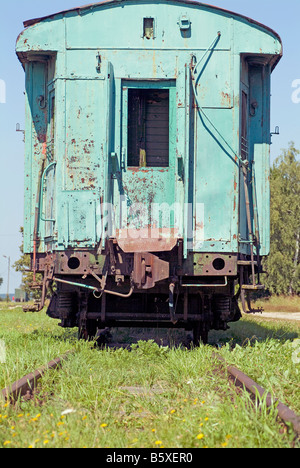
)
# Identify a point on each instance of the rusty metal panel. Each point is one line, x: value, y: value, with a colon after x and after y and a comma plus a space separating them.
x: 85, y: 167
x: 210, y: 264
x: 82, y: 161
x: 216, y: 82
x: 36, y: 146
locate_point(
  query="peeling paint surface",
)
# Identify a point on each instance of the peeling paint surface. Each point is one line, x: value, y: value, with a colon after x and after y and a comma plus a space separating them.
x: 94, y: 192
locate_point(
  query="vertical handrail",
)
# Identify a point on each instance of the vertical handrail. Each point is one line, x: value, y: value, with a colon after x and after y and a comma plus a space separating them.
x: 249, y: 222
x: 42, y: 193
x: 256, y: 220
x: 37, y: 211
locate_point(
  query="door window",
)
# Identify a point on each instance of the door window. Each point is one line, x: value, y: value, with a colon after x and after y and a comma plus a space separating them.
x: 148, y: 127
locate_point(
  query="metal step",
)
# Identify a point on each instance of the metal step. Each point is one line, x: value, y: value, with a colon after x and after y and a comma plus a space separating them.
x: 36, y: 307
x: 246, y: 263
x: 252, y: 287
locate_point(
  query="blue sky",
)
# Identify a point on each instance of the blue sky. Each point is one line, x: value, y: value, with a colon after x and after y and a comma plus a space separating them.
x: 279, y: 15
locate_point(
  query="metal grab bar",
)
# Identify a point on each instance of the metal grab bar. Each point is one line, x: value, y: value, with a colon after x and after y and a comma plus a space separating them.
x: 193, y: 285
x: 244, y: 163
x: 42, y: 194
x: 92, y: 288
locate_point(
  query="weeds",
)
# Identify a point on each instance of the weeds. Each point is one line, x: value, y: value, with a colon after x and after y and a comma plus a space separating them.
x: 147, y: 396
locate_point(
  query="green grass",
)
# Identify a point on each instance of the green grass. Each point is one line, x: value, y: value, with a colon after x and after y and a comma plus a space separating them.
x: 279, y: 304
x: 31, y: 341
x: 151, y: 396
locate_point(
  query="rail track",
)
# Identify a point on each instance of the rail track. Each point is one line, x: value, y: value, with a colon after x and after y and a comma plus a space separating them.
x: 26, y: 385
x: 241, y: 380
x: 25, y: 388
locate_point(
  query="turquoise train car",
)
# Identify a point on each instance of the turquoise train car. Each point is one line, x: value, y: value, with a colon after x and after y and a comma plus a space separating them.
x: 147, y: 141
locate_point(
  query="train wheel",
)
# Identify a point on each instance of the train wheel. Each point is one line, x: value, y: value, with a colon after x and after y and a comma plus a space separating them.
x: 87, y: 328
x: 89, y: 331
x: 200, y: 334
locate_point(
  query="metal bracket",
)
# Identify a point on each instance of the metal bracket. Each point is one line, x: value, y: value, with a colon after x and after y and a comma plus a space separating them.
x: 99, y: 60
x: 148, y: 270
x: 184, y: 23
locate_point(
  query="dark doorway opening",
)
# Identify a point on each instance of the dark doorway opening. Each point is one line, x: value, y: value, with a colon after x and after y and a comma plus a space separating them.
x: 148, y: 127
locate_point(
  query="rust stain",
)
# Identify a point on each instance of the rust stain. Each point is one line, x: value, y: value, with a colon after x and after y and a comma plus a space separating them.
x: 154, y: 65
x: 225, y: 99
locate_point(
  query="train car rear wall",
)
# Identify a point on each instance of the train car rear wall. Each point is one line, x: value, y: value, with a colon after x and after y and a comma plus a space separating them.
x: 147, y: 195
x: 86, y: 63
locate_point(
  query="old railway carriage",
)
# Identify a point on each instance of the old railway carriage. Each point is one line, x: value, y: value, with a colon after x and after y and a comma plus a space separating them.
x: 147, y: 162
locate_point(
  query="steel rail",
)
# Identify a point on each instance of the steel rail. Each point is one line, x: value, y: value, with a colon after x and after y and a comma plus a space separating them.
x: 284, y: 412
x: 28, y: 383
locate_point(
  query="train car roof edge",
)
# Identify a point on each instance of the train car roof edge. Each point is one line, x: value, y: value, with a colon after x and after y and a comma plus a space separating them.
x: 31, y: 22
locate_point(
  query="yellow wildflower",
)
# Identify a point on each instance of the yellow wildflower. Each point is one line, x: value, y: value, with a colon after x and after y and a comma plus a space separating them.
x: 200, y: 436
x: 158, y: 442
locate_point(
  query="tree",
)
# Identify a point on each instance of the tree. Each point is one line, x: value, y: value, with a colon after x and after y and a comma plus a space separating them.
x: 22, y: 265
x: 1, y: 281
x: 283, y: 264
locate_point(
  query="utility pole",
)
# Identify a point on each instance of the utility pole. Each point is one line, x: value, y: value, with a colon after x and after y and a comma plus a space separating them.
x: 8, y: 274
